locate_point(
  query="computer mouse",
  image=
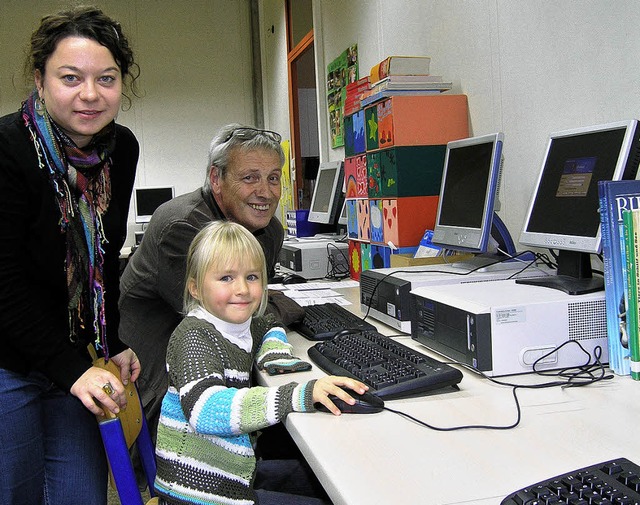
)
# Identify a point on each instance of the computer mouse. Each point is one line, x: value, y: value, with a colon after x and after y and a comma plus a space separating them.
x: 293, y: 279
x: 366, y: 403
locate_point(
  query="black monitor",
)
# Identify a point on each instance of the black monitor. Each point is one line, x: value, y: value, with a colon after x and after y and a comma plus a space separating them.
x: 148, y: 199
x: 466, y: 219
x: 327, y: 193
x: 563, y: 213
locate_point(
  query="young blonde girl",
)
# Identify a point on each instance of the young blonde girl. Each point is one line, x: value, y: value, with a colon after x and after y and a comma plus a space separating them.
x: 212, y: 411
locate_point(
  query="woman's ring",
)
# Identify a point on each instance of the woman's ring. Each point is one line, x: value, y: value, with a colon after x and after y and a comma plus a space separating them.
x: 108, y: 388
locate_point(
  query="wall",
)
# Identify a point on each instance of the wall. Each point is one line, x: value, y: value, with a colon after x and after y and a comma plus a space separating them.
x: 196, y: 75
x: 528, y: 68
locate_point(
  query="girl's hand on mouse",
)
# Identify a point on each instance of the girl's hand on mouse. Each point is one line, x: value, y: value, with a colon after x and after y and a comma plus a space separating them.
x: 333, y: 385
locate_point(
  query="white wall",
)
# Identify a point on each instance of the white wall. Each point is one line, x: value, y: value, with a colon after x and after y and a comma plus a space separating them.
x: 196, y: 75
x: 528, y: 68
x: 273, y: 51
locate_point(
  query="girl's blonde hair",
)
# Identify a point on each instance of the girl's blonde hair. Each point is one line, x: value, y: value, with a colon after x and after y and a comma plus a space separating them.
x: 221, y: 245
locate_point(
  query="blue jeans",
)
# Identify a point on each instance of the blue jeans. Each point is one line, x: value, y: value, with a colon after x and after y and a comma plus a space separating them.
x: 51, y: 452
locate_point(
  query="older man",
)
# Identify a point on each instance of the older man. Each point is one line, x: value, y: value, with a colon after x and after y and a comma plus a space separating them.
x: 242, y: 185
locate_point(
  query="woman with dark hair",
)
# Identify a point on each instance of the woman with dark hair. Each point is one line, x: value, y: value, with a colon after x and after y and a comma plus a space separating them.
x: 66, y: 175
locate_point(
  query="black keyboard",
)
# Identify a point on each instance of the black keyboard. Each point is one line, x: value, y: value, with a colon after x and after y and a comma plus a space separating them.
x: 610, y: 482
x: 390, y: 369
x: 322, y: 322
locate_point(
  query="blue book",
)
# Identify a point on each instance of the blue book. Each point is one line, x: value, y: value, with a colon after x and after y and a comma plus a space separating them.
x: 615, y: 197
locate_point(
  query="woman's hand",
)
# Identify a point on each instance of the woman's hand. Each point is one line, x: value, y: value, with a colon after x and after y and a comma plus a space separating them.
x: 128, y: 364
x: 99, y: 387
x: 331, y: 385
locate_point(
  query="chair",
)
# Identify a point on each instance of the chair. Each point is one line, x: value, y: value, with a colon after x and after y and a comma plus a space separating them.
x: 119, y: 433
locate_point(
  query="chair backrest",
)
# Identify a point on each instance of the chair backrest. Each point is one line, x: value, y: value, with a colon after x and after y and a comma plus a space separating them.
x: 119, y: 433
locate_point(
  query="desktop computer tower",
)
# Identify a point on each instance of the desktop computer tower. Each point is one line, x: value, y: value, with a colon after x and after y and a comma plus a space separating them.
x: 502, y: 327
x: 385, y: 292
x: 314, y: 258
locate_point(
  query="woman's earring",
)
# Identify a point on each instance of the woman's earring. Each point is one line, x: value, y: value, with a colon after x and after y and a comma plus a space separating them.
x: 39, y: 106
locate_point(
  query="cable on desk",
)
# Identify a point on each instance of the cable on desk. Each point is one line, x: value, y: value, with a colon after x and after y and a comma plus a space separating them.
x: 336, y: 270
x: 577, y: 376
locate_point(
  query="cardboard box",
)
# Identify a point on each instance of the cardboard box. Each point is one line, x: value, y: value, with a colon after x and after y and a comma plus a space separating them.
x: 402, y: 221
x: 413, y: 120
x: 407, y: 260
x: 365, y: 256
x: 405, y: 171
x: 381, y: 254
x: 371, y: 127
x: 364, y: 227
x: 354, y: 131
x: 355, y: 265
x: 355, y: 176
x: 352, y: 218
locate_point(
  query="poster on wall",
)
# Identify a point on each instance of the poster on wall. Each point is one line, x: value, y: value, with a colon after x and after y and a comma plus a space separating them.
x: 340, y: 72
x: 286, y: 184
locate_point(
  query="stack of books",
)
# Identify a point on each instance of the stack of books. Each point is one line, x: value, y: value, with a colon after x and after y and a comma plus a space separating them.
x: 620, y: 232
x: 354, y: 94
x: 403, y: 75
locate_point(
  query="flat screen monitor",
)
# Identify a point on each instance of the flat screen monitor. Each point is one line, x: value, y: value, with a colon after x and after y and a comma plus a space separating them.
x: 563, y: 213
x: 468, y: 195
x: 326, y: 193
x: 148, y: 199
x: 342, y: 220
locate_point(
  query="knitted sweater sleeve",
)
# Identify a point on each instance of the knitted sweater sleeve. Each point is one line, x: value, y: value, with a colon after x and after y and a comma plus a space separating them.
x: 275, y: 352
x: 210, y: 378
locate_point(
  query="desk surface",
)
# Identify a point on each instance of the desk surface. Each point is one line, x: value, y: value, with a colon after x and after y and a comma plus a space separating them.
x: 384, y: 458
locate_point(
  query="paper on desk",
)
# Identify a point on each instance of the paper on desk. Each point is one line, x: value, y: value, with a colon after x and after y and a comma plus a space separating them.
x: 306, y: 286
x: 316, y: 296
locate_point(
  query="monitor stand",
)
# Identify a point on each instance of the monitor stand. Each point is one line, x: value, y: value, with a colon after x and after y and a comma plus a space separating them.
x: 574, y: 277
x: 497, y: 262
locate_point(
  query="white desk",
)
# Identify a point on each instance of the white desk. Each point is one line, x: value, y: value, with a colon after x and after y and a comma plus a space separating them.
x: 386, y: 459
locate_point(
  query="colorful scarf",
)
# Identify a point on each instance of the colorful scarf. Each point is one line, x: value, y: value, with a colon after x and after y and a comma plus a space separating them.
x: 81, y: 182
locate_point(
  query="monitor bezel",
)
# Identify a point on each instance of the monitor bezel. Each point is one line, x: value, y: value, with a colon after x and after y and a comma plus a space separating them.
x: 464, y: 238
x: 342, y: 219
x: 145, y: 218
x: 327, y: 217
x: 577, y: 243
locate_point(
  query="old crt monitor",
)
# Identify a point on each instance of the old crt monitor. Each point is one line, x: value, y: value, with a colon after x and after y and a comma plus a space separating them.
x: 327, y: 193
x: 148, y: 199
x: 563, y: 213
x: 466, y: 218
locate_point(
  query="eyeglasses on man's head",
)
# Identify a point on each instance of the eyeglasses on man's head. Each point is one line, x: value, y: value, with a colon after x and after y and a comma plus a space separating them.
x: 248, y: 133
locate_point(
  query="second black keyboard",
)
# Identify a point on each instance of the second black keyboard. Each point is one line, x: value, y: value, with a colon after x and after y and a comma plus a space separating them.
x: 611, y: 482
x: 389, y: 368
x: 322, y: 322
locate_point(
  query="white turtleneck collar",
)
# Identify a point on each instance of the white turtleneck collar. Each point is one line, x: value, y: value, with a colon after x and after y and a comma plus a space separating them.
x: 237, y: 333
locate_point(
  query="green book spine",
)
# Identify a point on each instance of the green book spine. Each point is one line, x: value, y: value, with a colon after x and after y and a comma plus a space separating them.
x: 631, y: 249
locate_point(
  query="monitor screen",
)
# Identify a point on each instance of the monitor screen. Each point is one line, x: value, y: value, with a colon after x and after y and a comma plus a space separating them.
x: 148, y: 199
x: 326, y: 193
x: 563, y: 212
x: 468, y: 193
